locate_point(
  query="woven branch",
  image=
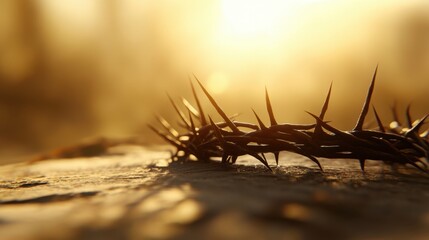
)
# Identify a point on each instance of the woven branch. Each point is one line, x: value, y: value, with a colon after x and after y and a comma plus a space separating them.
x: 230, y: 139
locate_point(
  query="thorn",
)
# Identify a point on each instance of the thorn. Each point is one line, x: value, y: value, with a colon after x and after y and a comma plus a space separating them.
x: 269, y: 108
x: 217, y: 132
x: 408, y: 116
x: 243, y: 150
x: 312, y: 158
x: 365, y: 107
x: 345, y: 135
x: 325, y: 105
x: 192, y: 123
x: 276, y: 156
x: 261, y: 124
x: 200, y: 109
x: 318, y: 127
x: 316, y: 161
x: 416, y: 127
x: 380, y: 124
x: 263, y: 156
x: 219, y: 110
x: 180, y: 113
x: 255, y: 155
x: 165, y: 137
x: 362, y: 164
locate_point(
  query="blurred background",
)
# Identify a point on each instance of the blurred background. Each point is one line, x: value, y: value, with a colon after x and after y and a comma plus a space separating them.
x: 75, y: 70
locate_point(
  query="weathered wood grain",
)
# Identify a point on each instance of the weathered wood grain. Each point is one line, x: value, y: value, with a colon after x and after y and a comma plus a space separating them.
x: 136, y: 194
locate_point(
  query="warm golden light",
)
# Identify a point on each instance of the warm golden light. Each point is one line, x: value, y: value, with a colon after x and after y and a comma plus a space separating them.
x: 243, y: 18
x: 81, y: 69
x: 217, y: 83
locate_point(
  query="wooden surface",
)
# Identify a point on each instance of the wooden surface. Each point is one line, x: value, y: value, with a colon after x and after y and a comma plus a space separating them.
x: 135, y: 194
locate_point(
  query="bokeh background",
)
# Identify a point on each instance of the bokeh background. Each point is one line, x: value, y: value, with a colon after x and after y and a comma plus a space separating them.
x: 79, y: 69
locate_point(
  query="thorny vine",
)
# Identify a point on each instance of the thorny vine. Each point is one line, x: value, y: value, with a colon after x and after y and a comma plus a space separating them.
x: 230, y: 139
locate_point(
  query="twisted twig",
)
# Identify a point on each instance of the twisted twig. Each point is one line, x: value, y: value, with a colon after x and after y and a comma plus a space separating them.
x: 230, y: 139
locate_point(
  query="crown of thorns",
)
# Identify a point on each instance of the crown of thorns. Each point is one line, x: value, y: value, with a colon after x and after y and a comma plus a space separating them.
x: 230, y: 139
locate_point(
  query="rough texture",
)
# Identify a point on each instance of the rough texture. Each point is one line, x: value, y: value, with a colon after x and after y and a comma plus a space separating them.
x: 135, y: 194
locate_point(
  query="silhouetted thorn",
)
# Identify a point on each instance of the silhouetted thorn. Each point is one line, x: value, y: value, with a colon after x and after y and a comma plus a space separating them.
x: 325, y: 105
x: 263, y: 156
x: 315, y: 160
x: 200, y: 109
x: 276, y: 156
x: 219, y: 110
x: 242, y: 150
x: 325, y: 125
x: 214, y: 140
x: 365, y: 107
x: 408, y: 116
x: 269, y: 108
x: 192, y: 123
x: 261, y: 124
x: 166, y: 137
x: 168, y: 127
x: 408, y: 159
x: 239, y: 150
x: 318, y: 127
x: 362, y: 164
x: 255, y: 155
x: 179, y: 112
x: 217, y: 132
x: 380, y: 124
x: 416, y: 127
x: 344, y: 135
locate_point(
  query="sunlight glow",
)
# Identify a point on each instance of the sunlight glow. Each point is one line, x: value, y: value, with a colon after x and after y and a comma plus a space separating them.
x: 252, y: 32
x: 218, y: 83
x: 250, y: 18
